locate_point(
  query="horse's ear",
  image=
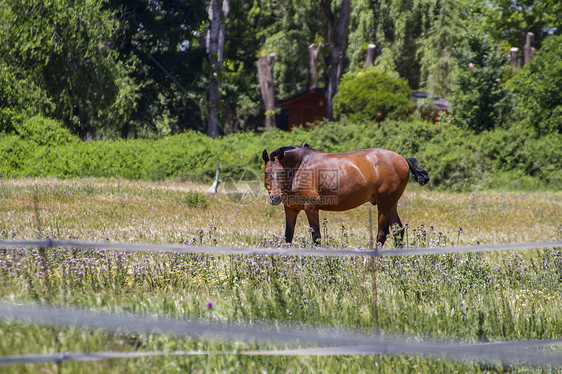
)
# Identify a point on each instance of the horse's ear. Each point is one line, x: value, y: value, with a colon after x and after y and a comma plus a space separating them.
x: 265, y: 156
x: 281, y: 155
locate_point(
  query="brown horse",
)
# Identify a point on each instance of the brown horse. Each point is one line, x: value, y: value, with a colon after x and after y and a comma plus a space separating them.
x: 307, y: 179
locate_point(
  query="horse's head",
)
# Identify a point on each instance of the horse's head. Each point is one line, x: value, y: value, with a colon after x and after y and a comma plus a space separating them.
x: 277, y: 177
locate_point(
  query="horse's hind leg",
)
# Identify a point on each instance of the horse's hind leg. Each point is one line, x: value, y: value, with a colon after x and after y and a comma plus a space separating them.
x: 399, y: 233
x: 383, y: 227
x: 388, y: 216
x: 314, y: 222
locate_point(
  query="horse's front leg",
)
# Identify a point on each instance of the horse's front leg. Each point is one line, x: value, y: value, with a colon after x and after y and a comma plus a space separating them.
x: 313, y: 221
x: 290, y: 221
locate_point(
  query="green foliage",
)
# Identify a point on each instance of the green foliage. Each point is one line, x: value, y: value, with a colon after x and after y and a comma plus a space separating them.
x: 43, y: 131
x: 138, y: 68
x: 165, y: 44
x: 19, y: 93
x: 62, y: 48
x: 447, y: 29
x: 291, y: 58
x: 456, y: 158
x: 362, y: 23
x: 537, y: 90
x: 195, y: 200
x: 510, y: 20
x: 372, y: 95
x: 480, y: 101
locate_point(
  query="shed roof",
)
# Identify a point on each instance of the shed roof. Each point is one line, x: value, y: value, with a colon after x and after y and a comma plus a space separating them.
x: 291, y: 100
x: 437, y: 103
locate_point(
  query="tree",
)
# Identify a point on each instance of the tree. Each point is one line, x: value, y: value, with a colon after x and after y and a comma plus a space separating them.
x: 265, y: 76
x: 480, y: 100
x: 216, y: 35
x: 294, y: 26
x: 447, y: 28
x: 338, y: 39
x: 537, y: 90
x: 399, y: 26
x: 510, y: 20
x: 63, y: 48
x: 164, y: 41
x: 362, y: 26
x: 288, y: 29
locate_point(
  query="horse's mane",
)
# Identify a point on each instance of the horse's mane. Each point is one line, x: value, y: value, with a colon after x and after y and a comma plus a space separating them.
x: 286, y: 148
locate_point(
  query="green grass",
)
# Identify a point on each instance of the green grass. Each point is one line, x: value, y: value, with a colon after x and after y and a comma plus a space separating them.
x: 469, y: 298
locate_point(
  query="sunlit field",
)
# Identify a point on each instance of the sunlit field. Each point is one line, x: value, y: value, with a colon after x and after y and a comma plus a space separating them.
x: 467, y: 298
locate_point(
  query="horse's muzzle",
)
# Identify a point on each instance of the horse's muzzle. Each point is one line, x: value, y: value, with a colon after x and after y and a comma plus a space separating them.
x: 275, y: 199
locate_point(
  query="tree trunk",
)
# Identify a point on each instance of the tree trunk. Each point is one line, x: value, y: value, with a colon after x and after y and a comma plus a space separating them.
x: 265, y: 77
x: 215, y: 50
x: 528, y: 48
x: 370, y: 55
x: 338, y: 50
x: 313, y: 53
x: 514, y: 57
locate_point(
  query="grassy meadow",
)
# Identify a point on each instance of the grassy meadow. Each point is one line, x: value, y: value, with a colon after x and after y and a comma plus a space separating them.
x: 468, y: 298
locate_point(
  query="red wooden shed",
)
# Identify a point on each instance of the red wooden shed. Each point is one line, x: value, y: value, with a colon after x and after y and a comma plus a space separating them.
x: 309, y: 106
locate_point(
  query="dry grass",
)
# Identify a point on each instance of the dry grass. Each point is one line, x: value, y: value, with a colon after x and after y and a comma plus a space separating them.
x: 120, y: 210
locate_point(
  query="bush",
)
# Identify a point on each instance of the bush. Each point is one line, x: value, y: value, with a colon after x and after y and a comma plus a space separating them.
x: 195, y: 200
x: 14, y: 153
x: 372, y: 96
x: 455, y: 158
x: 44, y: 131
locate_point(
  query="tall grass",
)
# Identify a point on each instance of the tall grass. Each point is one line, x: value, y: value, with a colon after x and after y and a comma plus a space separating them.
x: 473, y: 297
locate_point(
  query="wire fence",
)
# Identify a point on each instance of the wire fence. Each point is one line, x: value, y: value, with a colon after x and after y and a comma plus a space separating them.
x: 282, y: 251
x: 324, y: 342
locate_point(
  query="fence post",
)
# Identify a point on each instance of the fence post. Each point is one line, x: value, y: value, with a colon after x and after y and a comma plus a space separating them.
x: 374, y: 275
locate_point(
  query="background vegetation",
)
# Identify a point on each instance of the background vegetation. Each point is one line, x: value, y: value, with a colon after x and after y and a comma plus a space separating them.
x: 456, y: 158
x: 77, y: 79
x: 139, y: 68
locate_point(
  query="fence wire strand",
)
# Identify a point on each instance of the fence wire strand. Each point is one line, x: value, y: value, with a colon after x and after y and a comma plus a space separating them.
x: 283, y: 251
x: 326, y: 342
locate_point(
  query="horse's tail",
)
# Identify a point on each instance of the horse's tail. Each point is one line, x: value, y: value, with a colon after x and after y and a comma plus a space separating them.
x: 421, y: 176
